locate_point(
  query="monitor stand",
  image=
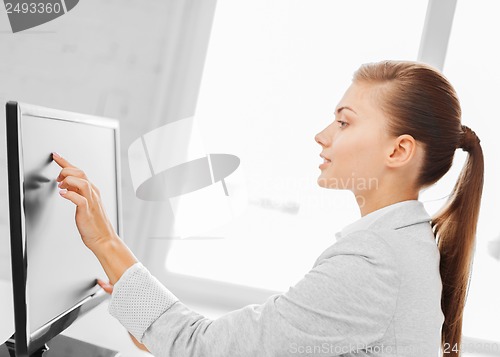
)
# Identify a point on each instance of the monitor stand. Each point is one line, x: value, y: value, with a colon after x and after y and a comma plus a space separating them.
x: 40, y: 352
x: 63, y: 346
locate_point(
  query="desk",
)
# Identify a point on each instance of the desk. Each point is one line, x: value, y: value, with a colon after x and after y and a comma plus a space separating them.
x: 64, y: 346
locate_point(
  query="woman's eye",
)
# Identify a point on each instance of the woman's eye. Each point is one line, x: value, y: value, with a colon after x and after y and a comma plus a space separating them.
x: 341, y: 123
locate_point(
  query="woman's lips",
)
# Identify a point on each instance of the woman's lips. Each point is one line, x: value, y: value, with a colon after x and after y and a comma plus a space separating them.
x: 325, y: 163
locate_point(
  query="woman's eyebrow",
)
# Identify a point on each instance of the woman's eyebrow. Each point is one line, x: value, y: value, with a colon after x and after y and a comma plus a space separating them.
x: 345, y: 107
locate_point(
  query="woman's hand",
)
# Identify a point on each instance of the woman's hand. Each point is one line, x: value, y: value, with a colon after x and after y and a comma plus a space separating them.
x: 93, y: 224
x: 107, y: 287
x: 91, y: 219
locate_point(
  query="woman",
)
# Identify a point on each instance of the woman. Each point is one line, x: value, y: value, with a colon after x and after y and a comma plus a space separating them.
x: 385, y: 287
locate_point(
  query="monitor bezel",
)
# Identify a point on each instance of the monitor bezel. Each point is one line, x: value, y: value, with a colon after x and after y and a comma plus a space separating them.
x: 25, y: 342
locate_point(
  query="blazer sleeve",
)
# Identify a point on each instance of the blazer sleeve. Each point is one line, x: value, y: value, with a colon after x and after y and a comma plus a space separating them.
x: 344, y: 303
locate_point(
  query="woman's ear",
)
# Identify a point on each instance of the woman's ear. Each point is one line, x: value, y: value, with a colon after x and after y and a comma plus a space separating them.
x: 402, y: 151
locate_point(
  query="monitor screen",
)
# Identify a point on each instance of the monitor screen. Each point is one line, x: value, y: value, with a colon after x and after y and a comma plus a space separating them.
x: 54, y: 274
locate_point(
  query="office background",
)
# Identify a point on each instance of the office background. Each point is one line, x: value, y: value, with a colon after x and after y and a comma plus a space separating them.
x: 260, y: 78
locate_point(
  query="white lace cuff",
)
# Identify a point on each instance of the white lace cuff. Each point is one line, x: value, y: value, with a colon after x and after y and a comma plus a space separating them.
x: 138, y: 299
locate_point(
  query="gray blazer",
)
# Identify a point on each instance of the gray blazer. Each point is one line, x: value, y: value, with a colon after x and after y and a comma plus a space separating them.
x: 375, y: 292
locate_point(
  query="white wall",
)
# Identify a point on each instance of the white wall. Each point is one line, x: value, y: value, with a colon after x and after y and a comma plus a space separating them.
x: 138, y: 62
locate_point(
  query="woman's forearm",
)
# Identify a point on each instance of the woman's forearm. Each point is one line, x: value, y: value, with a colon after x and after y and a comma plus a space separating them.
x: 115, y: 257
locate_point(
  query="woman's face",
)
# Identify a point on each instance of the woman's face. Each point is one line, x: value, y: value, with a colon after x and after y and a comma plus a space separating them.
x: 353, y: 144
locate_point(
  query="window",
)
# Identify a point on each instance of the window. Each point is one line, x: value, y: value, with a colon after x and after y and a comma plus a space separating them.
x: 273, y: 76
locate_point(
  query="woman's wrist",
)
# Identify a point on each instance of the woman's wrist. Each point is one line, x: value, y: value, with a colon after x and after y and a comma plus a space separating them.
x: 114, y: 256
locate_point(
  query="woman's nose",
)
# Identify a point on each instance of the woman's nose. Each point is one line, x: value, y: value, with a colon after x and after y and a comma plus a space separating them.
x: 318, y: 140
x: 321, y: 138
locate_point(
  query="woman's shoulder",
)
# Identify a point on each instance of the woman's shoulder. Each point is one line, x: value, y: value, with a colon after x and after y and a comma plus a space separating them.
x: 367, y: 243
x: 385, y: 249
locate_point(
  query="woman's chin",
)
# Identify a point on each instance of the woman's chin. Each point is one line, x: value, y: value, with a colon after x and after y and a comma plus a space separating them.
x: 327, y: 182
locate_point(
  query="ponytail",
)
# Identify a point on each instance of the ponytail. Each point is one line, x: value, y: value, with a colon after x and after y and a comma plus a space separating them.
x: 455, y: 229
x: 421, y: 102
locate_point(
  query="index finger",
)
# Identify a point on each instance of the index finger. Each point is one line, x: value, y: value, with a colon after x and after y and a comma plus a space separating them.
x: 60, y: 160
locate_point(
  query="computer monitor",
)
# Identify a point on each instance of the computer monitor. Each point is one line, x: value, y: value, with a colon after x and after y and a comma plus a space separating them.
x: 53, y: 273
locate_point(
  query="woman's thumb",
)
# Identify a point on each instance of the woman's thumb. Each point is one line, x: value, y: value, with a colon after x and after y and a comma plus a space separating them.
x: 105, y: 286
